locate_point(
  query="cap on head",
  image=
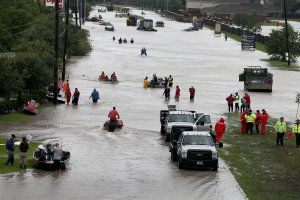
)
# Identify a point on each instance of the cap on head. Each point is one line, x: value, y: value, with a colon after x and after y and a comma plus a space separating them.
x: 41, y: 147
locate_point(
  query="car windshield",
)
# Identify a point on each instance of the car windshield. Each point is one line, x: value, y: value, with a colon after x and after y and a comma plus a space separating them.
x: 181, y: 118
x: 197, y: 140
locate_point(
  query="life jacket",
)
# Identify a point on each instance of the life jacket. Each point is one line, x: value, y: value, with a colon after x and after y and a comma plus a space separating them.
x: 250, y: 118
x: 237, y: 98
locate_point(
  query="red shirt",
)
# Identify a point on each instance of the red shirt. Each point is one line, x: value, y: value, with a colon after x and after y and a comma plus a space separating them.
x: 247, y: 99
x: 177, y: 92
x: 264, y: 117
x: 192, y: 91
x: 258, y: 119
x: 113, y: 115
x: 230, y: 99
x: 220, y: 127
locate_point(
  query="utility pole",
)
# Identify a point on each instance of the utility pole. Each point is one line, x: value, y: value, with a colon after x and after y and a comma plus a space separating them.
x: 80, y: 12
x: 286, y: 32
x: 56, y: 50
x: 66, y: 40
x: 76, y: 10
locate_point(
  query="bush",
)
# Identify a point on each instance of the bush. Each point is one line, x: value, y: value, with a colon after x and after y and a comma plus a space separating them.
x: 276, y: 45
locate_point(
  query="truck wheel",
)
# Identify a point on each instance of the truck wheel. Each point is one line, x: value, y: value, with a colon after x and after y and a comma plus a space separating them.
x: 215, y: 168
x: 167, y: 139
x: 174, y: 155
x: 180, y: 165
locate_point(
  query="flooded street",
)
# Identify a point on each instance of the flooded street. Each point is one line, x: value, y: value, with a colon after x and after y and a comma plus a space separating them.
x: 134, y: 163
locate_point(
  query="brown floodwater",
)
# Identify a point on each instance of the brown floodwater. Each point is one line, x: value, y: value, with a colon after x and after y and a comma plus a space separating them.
x: 134, y: 163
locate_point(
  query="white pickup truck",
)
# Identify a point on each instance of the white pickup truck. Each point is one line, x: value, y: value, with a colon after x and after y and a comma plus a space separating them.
x: 173, y: 122
x: 197, y: 148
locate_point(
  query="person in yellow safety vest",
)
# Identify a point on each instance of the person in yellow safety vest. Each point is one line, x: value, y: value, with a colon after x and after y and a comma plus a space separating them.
x: 146, y: 83
x: 296, y: 131
x: 237, y: 101
x: 170, y: 80
x: 250, y: 118
x: 280, y: 128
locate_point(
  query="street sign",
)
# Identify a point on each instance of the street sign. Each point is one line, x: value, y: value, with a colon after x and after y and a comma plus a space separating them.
x: 51, y: 3
x: 298, y: 98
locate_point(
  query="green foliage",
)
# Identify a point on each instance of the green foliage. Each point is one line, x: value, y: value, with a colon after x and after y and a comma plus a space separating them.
x: 276, y: 45
x: 27, y: 28
x: 174, y: 5
x: 78, y: 44
x: 291, y: 5
x: 249, y: 22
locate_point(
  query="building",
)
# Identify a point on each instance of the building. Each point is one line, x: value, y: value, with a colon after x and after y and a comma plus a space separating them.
x: 227, y: 8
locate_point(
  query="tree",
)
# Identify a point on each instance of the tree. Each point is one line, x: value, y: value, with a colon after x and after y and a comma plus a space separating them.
x: 249, y: 22
x: 174, y: 5
x: 276, y: 45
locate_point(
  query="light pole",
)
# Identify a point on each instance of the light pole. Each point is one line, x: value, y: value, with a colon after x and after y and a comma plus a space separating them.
x: 55, y: 69
x: 286, y: 32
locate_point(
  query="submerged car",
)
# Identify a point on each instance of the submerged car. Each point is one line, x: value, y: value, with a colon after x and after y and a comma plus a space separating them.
x: 109, y: 28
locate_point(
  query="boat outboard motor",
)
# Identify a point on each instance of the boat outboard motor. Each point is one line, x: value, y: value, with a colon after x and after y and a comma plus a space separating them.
x: 120, y: 41
x: 131, y: 41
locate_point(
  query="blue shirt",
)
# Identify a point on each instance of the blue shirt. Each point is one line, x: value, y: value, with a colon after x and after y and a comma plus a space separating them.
x: 95, y: 95
x: 10, y: 145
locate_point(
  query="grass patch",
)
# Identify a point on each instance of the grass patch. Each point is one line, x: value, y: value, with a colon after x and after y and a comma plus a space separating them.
x: 19, y: 116
x: 259, y: 46
x: 16, y: 167
x: 263, y: 171
x: 283, y: 65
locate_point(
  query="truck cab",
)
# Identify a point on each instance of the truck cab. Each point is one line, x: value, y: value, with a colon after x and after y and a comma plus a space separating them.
x: 197, y: 148
x: 256, y: 78
x: 174, y: 121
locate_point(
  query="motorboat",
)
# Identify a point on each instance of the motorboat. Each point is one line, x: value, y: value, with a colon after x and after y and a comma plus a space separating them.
x: 112, y: 126
x: 31, y: 108
x: 50, y: 97
x: 48, y: 163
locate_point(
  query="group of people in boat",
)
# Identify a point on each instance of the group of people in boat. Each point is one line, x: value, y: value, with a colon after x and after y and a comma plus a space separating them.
x: 104, y: 77
x: 65, y: 87
x: 167, y: 82
x: 53, y: 152
x: 123, y: 40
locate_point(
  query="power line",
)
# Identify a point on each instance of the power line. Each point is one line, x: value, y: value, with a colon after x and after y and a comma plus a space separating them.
x: 31, y: 22
x: 24, y: 30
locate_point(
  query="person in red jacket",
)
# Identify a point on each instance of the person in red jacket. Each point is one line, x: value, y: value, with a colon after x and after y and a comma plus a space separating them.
x: 257, y: 121
x: 264, y: 120
x: 68, y: 95
x: 220, y: 129
x: 248, y: 100
x: 113, y: 115
x: 192, y: 93
x: 243, y: 122
x: 230, y: 99
x: 177, y: 92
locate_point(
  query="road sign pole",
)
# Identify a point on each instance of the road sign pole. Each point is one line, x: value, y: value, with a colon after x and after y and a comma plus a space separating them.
x: 297, y: 111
